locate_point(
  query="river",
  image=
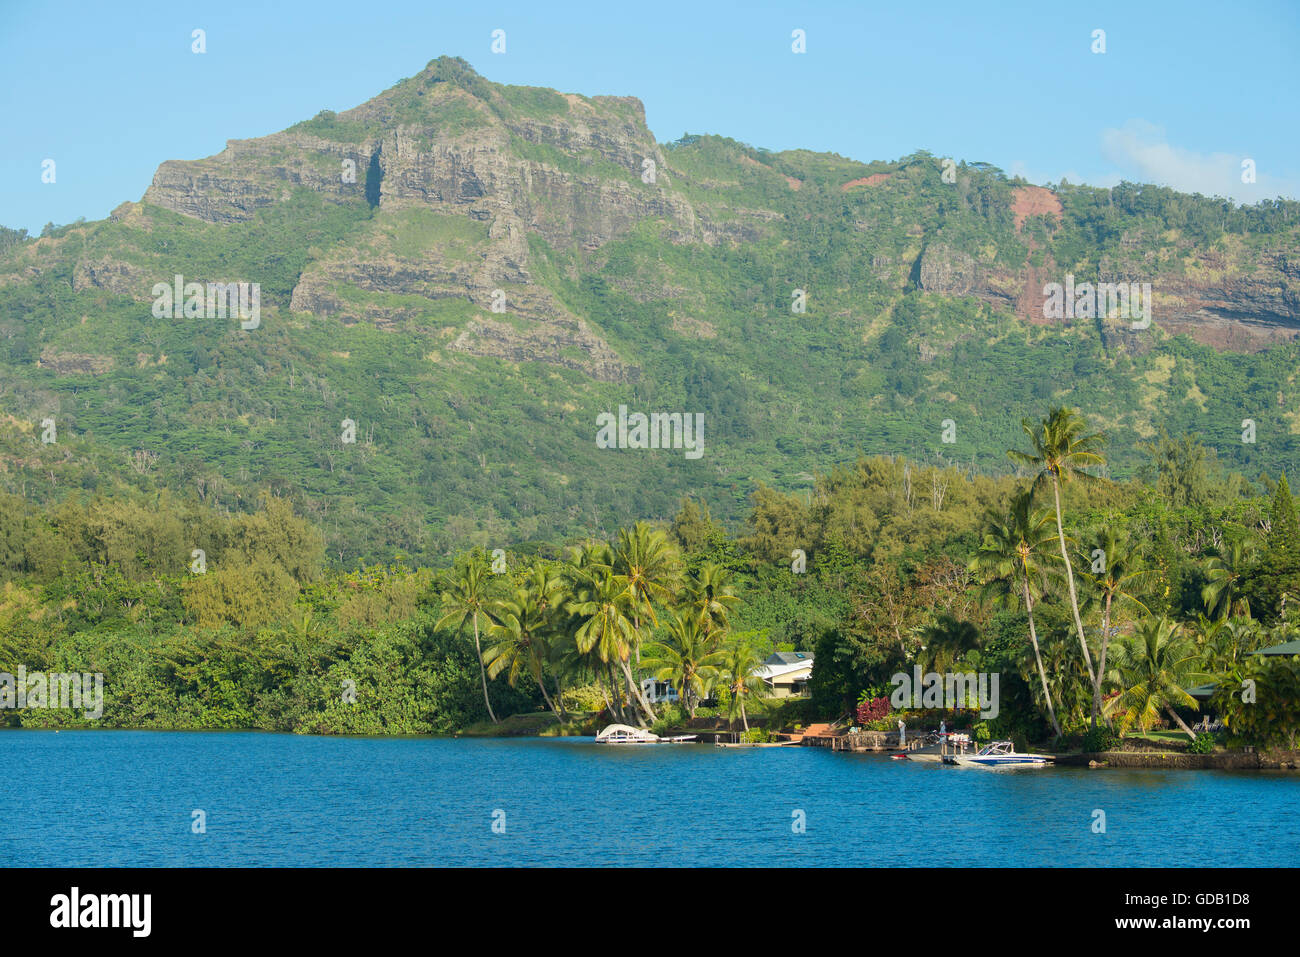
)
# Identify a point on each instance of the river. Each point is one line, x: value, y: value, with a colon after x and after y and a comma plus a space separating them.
x: 129, y: 798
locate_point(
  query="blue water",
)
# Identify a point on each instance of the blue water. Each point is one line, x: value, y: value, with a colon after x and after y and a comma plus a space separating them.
x: 126, y: 798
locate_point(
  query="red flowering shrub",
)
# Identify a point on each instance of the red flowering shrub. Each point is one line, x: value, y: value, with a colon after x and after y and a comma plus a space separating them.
x: 872, y: 709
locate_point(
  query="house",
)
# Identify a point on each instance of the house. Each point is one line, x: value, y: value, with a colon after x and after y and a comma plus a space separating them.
x: 656, y: 691
x: 787, y: 673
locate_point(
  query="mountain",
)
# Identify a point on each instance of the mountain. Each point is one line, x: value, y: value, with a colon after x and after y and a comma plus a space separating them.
x: 472, y: 274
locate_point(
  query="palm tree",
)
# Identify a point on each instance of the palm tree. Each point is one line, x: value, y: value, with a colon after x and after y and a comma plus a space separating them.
x: 651, y: 564
x: 945, y: 640
x: 1009, y: 559
x: 1223, y: 643
x: 521, y: 635
x: 1061, y: 452
x: 1121, y: 578
x: 740, y: 661
x: 605, y: 627
x: 1226, y: 573
x: 549, y: 589
x: 466, y: 599
x: 590, y: 563
x: 1153, y: 669
x: 711, y: 596
x: 688, y: 658
x: 1066, y: 678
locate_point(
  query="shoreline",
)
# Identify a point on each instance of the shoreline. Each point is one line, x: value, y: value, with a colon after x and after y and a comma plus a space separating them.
x: 1267, y: 760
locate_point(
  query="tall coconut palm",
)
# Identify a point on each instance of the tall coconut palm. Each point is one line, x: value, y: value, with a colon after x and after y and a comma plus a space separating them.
x: 710, y: 596
x: 604, y: 609
x: 1010, y: 561
x: 740, y: 662
x: 521, y: 634
x: 1153, y: 668
x: 547, y: 586
x: 1117, y: 577
x: 587, y: 564
x: 466, y: 599
x: 647, y: 558
x: 1222, y: 593
x: 1062, y: 450
x: 688, y: 657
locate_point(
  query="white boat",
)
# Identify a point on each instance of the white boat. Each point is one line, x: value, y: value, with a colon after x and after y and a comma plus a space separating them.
x: 997, y: 755
x: 626, y: 734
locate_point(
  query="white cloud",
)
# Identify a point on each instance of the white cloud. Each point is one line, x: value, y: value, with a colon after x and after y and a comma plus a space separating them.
x: 1143, y: 154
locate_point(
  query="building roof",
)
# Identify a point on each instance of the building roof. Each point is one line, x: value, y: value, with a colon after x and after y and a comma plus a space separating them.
x: 776, y: 666
x: 789, y: 658
x: 1288, y: 648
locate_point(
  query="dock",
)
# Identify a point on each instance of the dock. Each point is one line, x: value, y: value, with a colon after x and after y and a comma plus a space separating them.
x: 825, y: 736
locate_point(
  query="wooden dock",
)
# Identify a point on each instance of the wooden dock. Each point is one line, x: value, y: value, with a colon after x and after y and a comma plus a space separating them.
x: 824, y: 736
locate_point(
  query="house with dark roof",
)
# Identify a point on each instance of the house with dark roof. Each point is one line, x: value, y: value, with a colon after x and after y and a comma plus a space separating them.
x: 787, y: 673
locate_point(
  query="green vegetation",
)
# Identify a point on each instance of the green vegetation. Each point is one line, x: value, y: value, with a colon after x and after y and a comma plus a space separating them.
x: 199, y: 618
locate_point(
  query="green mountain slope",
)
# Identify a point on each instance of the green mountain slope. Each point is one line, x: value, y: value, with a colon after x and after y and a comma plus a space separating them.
x: 472, y: 273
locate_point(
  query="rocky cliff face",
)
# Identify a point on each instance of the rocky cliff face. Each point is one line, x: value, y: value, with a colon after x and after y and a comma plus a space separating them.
x: 567, y: 170
x: 573, y: 178
x: 1208, y: 299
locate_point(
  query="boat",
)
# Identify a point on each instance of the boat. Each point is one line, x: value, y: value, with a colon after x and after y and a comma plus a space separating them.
x: 626, y: 734
x: 997, y: 755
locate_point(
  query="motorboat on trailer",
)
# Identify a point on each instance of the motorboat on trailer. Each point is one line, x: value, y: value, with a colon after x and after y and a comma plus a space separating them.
x: 997, y: 755
x: 626, y: 734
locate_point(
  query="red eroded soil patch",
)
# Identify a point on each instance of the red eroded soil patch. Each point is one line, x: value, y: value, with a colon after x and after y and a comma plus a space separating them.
x: 872, y: 180
x: 794, y: 183
x: 1034, y: 201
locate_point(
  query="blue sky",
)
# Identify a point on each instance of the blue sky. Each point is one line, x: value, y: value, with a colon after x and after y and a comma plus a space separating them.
x: 1182, y: 94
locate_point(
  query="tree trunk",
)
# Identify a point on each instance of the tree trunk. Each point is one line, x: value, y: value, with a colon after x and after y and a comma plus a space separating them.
x: 1179, y: 721
x: 623, y: 711
x: 1074, y: 602
x: 1105, y: 641
x: 743, y: 720
x: 549, y: 703
x: 604, y: 693
x: 559, y: 698
x: 483, y: 673
x: 1033, y: 638
x: 637, y: 695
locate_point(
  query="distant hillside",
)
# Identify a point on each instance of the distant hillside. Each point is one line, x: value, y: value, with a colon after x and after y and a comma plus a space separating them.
x: 472, y: 273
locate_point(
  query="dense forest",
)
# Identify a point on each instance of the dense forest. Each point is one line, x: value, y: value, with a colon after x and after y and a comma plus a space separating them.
x: 205, y: 618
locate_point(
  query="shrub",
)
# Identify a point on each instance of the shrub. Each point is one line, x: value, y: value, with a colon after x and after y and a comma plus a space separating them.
x: 1204, y: 744
x: 583, y: 698
x: 1099, y: 739
x: 872, y: 709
